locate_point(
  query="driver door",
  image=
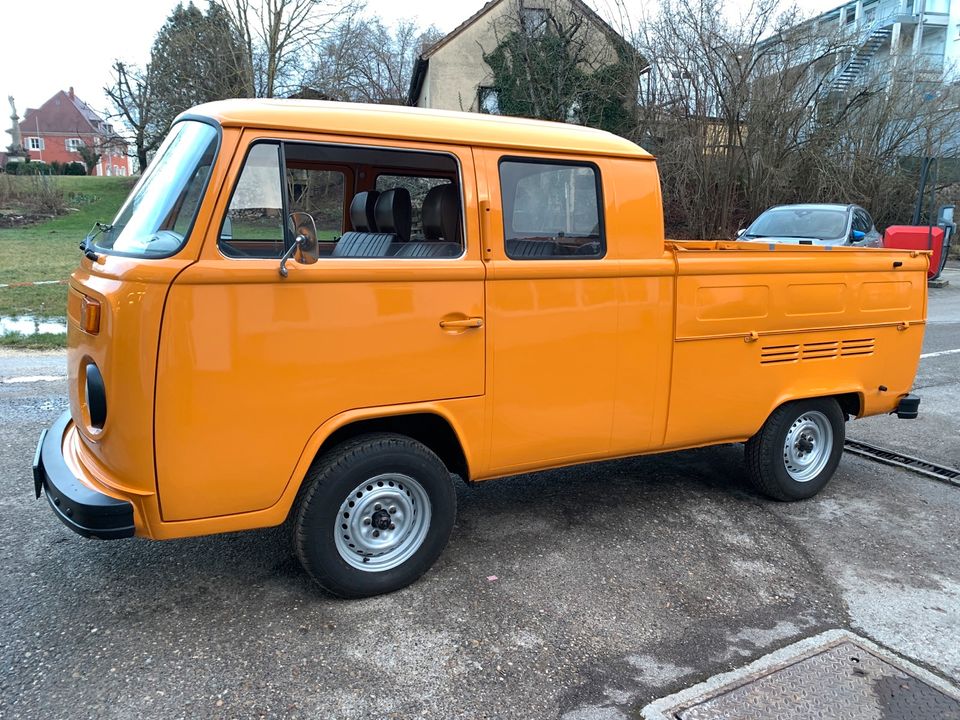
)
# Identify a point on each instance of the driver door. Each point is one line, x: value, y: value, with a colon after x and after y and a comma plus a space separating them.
x: 251, y: 364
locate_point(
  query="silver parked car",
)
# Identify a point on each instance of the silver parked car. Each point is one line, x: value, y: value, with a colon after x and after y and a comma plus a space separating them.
x: 821, y: 224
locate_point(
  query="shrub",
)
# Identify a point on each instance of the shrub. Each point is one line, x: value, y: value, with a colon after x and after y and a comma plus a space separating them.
x: 45, y: 194
x: 75, y: 168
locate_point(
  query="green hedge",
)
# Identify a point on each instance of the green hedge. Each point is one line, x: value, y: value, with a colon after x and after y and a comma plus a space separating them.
x: 34, y: 167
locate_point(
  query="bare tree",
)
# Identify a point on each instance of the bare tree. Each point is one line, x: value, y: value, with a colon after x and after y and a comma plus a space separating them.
x: 277, y: 38
x: 131, y: 92
x: 742, y: 114
x: 362, y: 60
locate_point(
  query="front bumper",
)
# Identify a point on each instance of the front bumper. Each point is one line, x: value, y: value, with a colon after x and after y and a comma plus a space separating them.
x: 82, y: 509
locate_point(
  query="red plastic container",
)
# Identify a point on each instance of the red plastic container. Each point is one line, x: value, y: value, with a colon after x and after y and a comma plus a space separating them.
x: 916, y: 237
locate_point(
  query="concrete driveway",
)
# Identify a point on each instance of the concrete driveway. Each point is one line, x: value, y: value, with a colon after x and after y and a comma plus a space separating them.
x: 616, y: 584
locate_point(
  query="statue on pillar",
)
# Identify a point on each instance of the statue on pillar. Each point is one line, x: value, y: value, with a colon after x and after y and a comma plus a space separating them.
x: 15, y: 150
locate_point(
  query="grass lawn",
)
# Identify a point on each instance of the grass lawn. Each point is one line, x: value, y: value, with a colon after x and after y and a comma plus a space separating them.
x: 49, y: 250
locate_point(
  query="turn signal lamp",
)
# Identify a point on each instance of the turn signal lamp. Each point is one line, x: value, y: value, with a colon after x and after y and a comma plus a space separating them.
x: 90, y: 315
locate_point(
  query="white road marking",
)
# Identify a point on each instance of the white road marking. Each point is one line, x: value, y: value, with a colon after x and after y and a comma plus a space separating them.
x: 938, y: 354
x: 33, y: 379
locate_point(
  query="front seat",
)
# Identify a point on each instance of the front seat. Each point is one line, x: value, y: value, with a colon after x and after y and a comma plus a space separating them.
x: 364, y: 240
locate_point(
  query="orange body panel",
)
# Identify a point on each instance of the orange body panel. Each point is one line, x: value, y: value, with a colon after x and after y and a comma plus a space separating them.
x: 224, y: 379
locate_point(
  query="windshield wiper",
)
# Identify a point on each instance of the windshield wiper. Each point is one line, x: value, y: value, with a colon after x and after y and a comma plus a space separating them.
x: 86, y: 245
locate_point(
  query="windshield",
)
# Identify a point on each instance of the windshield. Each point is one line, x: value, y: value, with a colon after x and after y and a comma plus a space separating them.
x: 158, y: 214
x: 819, y: 224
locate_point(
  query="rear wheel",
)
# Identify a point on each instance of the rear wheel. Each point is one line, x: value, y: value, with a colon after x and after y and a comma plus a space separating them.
x: 797, y: 450
x: 375, y: 514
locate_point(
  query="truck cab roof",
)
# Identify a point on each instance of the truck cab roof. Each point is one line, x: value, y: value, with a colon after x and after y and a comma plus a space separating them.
x: 398, y: 122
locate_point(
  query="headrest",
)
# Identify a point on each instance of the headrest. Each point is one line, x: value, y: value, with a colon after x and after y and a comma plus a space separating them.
x: 441, y: 213
x: 362, y: 215
x: 393, y: 213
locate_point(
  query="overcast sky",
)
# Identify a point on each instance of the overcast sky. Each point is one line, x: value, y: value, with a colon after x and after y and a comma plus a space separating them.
x: 78, y: 48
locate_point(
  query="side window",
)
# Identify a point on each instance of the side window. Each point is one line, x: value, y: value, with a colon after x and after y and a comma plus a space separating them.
x: 253, y: 226
x: 319, y: 193
x: 413, y: 211
x: 418, y: 187
x: 551, y: 210
x: 862, y: 221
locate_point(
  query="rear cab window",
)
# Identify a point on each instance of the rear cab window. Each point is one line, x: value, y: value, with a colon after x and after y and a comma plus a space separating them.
x: 365, y: 202
x: 551, y: 209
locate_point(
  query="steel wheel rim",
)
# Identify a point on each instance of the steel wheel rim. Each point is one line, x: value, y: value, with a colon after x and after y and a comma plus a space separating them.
x: 807, y: 447
x: 382, y: 522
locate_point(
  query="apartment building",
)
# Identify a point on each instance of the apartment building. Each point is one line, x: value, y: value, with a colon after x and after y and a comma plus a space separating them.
x: 913, y: 40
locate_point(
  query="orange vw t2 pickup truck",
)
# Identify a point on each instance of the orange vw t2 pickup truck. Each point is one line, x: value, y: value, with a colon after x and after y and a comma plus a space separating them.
x: 318, y: 313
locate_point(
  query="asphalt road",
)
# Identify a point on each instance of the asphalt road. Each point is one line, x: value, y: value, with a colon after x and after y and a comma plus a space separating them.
x: 616, y: 584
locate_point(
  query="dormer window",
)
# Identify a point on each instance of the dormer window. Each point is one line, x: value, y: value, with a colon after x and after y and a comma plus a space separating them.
x: 488, y: 100
x: 534, y: 20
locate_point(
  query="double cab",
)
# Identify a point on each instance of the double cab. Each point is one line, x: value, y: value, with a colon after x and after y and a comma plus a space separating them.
x: 320, y: 313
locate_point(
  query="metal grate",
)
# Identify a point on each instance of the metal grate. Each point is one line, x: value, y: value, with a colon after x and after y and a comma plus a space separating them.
x: 892, y: 457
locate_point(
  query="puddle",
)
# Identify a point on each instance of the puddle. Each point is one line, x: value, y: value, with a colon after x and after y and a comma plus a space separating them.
x: 30, y: 325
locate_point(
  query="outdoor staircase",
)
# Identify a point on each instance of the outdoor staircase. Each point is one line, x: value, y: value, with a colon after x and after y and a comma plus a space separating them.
x: 874, y: 41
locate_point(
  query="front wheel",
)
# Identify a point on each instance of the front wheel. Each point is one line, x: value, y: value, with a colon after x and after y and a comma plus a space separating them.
x: 797, y: 450
x: 375, y: 514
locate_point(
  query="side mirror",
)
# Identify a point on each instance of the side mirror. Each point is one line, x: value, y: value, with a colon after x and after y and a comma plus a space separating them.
x: 945, y: 216
x: 857, y: 236
x: 305, y: 249
x: 740, y: 232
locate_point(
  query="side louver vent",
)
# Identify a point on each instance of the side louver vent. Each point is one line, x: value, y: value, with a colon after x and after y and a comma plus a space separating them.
x: 774, y: 354
x: 863, y: 346
x: 819, y: 350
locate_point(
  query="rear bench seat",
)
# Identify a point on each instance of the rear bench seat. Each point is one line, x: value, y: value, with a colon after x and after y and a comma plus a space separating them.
x: 379, y: 220
x: 441, y: 226
x: 382, y: 224
x: 532, y: 248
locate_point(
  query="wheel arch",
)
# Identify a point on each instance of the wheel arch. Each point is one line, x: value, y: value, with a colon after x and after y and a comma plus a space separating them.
x: 429, y: 428
x: 851, y: 402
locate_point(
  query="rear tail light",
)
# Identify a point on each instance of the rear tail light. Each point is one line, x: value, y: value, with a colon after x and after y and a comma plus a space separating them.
x: 89, y: 315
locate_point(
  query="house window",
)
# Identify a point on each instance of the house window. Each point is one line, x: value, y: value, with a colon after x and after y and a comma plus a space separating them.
x: 850, y: 16
x: 534, y: 20
x: 74, y: 144
x: 34, y: 143
x: 488, y: 100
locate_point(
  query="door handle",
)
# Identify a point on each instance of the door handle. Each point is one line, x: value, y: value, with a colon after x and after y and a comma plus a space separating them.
x: 474, y: 322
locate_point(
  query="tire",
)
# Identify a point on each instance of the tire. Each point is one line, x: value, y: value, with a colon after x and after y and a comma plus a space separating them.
x: 797, y: 450
x: 374, y: 515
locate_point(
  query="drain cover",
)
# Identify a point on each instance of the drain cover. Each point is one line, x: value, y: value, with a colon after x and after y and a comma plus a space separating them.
x: 846, y: 681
